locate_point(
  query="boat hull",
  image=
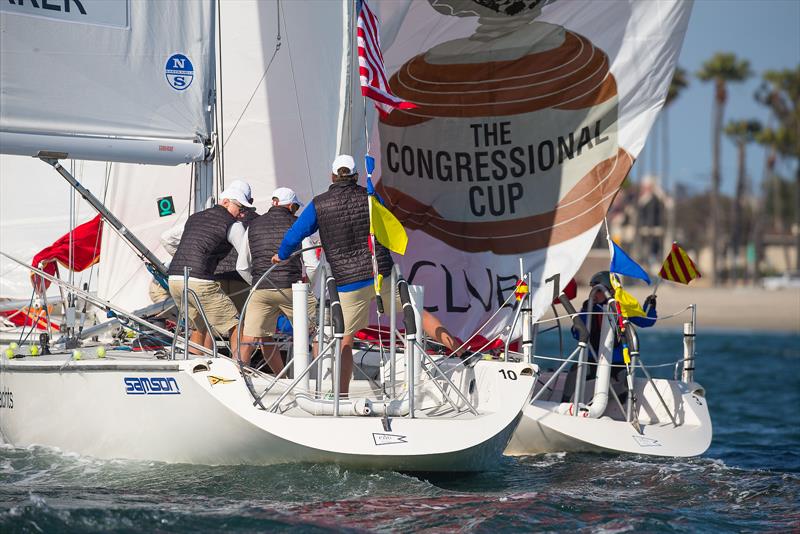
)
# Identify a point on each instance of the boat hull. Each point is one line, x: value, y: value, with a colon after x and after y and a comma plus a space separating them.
x: 201, y: 412
x: 543, y: 429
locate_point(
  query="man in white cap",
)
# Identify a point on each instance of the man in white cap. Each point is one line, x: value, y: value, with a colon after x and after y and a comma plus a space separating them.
x: 341, y: 214
x: 207, y: 238
x: 274, y: 296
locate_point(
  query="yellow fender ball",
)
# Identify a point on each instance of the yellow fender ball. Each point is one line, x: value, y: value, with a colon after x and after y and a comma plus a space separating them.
x: 101, y: 352
x: 10, y: 354
x: 34, y: 350
x: 13, y: 346
x: 76, y: 354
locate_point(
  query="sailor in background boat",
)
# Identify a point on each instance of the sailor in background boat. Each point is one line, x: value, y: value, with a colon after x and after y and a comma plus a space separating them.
x: 341, y: 214
x: 231, y: 280
x: 274, y: 297
x: 208, y: 237
x: 603, y: 278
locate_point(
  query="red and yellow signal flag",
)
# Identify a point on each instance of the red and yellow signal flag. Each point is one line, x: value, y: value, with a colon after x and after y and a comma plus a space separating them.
x: 678, y: 267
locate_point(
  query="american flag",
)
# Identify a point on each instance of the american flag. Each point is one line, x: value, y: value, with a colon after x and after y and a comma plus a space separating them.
x: 374, y: 83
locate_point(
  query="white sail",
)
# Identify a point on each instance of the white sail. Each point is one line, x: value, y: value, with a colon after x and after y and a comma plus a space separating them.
x: 530, y: 115
x: 109, y: 80
x: 281, y: 130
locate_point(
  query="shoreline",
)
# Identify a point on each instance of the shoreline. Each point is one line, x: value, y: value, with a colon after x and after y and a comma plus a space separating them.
x: 720, y: 308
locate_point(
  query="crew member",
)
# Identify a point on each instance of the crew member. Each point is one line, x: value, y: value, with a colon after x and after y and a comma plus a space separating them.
x: 274, y: 295
x: 341, y: 214
x: 208, y: 237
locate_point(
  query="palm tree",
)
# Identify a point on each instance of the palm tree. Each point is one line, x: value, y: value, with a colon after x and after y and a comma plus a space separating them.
x: 679, y: 82
x: 741, y: 133
x: 780, y: 91
x: 722, y: 68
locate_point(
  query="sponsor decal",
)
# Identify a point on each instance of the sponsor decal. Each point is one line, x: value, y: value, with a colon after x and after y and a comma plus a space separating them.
x: 388, y: 439
x: 157, y: 385
x: 179, y: 71
x: 214, y: 380
x: 99, y: 12
x: 7, y: 399
x: 646, y: 442
x: 486, y: 165
x: 166, y: 206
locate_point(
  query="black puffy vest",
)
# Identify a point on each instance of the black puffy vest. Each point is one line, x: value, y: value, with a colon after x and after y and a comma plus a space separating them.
x: 343, y: 218
x: 265, y: 235
x: 226, y: 269
x: 204, y: 243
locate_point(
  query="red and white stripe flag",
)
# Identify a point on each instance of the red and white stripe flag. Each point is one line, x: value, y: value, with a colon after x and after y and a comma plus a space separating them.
x: 374, y: 83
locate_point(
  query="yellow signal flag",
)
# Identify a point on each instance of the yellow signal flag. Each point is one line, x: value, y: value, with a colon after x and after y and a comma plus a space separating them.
x: 387, y: 229
x: 627, y: 303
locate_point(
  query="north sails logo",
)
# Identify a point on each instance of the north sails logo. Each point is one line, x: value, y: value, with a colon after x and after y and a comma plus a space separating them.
x: 388, y: 439
x: 151, y: 386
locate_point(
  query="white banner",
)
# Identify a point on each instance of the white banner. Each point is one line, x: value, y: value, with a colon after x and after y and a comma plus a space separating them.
x: 530, y: 115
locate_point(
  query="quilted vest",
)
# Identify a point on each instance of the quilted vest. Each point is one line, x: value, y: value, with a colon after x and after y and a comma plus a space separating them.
x: 265, y: 234
x: 343, y: 218
x: 204, y: 243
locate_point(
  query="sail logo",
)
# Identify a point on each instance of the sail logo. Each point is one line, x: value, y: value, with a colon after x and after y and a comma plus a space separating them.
x: 512, y: 146
x: 179, y: 71
x: 114, y: 13
x: 156, y: 385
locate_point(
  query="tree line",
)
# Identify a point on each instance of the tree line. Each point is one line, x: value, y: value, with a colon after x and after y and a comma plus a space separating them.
x: 733, y: 224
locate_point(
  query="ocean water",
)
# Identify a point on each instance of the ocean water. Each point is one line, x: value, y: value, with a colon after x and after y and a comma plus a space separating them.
x: 749, y: 480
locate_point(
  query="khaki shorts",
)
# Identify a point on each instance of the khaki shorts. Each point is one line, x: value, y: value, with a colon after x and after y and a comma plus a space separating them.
x: 356, y: 306
x: 237, y: 290
x: 218, y: 307
x: 156, y: 292
x: 266, y: 305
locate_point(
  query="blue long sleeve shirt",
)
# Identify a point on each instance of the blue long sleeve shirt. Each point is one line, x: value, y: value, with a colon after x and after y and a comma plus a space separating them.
x: 304, y: 226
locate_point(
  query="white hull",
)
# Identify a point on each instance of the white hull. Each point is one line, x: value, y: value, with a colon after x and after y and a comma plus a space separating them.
x: 543, y: 429
x: 91, y: 407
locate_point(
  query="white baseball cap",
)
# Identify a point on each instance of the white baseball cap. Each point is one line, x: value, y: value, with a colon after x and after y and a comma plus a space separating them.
x: 238, y: 190
x: 286, y: 197
x: 344, y: 160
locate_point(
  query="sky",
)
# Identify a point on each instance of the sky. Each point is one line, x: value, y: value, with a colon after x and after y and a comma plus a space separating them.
x: 766, y: 33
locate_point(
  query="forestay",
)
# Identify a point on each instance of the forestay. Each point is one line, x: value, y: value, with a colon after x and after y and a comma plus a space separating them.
x: 530, y: 115
x: 108, y: 80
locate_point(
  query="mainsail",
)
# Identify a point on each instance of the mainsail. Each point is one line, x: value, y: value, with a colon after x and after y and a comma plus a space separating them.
x: 529, y: 116
x: 108, y: 80
x: 283, y: 87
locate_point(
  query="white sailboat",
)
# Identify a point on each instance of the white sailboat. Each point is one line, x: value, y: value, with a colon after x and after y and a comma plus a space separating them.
x: 155, y: 105
x: 530, y: 116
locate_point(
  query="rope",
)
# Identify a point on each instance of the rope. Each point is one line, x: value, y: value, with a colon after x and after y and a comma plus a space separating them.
x: 220, y: 104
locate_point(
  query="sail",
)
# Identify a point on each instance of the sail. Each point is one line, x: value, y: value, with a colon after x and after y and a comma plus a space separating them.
x: 529, y: 116
x: 109, y: 80
x: 280, y: 127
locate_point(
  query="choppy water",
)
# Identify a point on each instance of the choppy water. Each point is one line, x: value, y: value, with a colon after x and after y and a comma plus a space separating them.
x: 749, y: 480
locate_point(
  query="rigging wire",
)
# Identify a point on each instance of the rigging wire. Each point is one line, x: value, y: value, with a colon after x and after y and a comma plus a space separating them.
x: 299, y: 109
x: 220, y: 182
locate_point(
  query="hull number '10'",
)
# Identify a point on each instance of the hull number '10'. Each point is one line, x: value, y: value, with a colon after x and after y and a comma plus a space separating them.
x: 157, y: 385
